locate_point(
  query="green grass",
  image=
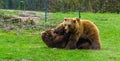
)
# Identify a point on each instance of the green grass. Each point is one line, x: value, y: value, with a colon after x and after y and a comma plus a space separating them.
x: 28, y: 45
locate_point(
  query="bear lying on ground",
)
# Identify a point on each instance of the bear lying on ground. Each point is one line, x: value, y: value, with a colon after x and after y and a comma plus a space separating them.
x: 54, y: 40
x: 80, y: 29
x: 58, y: 39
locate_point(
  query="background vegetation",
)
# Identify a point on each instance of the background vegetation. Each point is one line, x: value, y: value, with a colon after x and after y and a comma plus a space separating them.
x: 63, y: 5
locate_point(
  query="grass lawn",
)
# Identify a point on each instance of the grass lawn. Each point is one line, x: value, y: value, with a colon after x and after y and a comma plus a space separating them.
x: 27, y: 45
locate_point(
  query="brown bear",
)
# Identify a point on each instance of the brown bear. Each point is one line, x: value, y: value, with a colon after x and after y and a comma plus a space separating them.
x: 59, y: 39
x: 55, y: 39
x: 80, y: 29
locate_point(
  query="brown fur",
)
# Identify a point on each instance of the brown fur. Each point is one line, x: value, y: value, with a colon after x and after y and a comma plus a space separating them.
x: 54, y: 38
x: 83, y: 43
x: 81, y: 29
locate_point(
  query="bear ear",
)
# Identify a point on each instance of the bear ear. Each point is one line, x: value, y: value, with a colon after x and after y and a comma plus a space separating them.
x: 65, y: 19
x: 77, y: 19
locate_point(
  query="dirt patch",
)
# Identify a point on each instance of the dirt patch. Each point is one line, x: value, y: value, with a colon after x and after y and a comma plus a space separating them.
x: 32, y: 15
x: 22, y: 20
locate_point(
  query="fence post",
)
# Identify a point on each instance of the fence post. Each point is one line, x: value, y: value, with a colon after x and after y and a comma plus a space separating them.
x: 19, y: 4
x: 79, y: 13
x: 10, y: 4
x: 45, y: 9
x: 22, y: 5
x: 5, y: 4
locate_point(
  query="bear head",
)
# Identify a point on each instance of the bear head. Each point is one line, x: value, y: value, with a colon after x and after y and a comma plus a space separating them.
x: 54, y: 40
x: 71, y: 24
x: 47, y: 37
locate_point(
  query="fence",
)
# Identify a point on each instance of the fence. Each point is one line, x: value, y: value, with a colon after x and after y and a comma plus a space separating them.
x: 63, y: 5
x: 48, y: 6
x: 21, y: 4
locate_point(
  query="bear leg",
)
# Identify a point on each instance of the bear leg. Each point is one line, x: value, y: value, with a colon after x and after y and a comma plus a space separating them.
x: 71, y: 45
x: 72, y: 42
x: 95, y: 45
x: 83, y: 43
